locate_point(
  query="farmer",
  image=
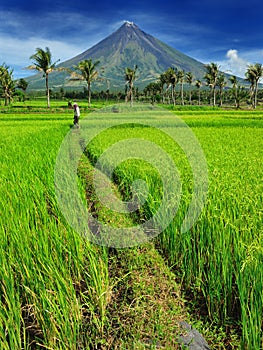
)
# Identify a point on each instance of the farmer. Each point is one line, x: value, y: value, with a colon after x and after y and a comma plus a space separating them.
x: 76, y: 115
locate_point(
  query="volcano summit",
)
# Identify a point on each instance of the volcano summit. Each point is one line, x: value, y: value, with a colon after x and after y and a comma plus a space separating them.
x: 126, y: 47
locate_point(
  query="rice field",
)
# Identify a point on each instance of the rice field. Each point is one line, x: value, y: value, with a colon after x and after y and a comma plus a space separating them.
x: 45, y: 267
x: 220, y: 257
x: 55, y: 284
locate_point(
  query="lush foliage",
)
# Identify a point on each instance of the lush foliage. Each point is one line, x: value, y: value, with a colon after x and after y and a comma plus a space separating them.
x: 7, y: 85
x: 42, y: 62
x: 57, y: 290
x: 86, y: 70
x: 219, y: 258
x: 49, y: 275
x: 130, y: 76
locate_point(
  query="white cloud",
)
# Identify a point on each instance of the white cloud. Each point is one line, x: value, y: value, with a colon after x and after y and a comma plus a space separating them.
x: 234, y: 64
x: 69, y: 33
x: 237, y: 63
x: 16, y: 52
x: 66, y: 34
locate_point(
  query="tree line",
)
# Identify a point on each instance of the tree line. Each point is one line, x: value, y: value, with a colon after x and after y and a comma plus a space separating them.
x: 213, y: 79
x: 164, y: 89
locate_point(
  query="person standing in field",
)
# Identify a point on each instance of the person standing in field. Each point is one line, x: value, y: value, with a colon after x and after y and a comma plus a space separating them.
x: 76, y: 115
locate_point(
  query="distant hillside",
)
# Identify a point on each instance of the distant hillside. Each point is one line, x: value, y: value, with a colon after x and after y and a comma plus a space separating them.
x: 126, y: 47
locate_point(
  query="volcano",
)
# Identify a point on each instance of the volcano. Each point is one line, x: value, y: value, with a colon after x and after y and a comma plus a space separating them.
x: 126, y: 47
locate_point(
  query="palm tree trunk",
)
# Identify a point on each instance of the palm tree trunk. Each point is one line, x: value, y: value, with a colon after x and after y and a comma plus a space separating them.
x: 221, y: 98
x: 252, y: 92
x: 182, y: 94
x: 47, y: 92
x: 6, y: 97
x: 162, y: 93
x: 173, y: 95
x: 255, y: 96
x: 167, y: 93
x: 89, y: 94
x: 214, y: 96
x: 131, y: 93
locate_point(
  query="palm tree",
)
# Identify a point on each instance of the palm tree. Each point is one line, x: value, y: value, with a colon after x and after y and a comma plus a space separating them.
x: 42, y: 62
x: 189, y: 79
x: 253, y: 74
x: 7, y: 84
x: 130, y: 76
x: 221, y: 82
x: 153, y: 90
x: 162, y: 80
x: 171, y: 80
x: 250, y: 77
x: 22, y: 84
x: 211, y: 75
x: 240, y: 94
x: 86, y: 70
x: 180, y: 77
x: 233, y: 81
x: 198, y: 84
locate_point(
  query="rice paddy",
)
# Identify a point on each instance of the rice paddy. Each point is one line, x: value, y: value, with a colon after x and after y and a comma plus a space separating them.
x: 56, y: 286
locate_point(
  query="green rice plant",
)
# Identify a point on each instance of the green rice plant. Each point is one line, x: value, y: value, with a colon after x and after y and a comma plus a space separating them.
x: 251, y: 302
x: 210, y: 257
x: 212, y: 254
x: 55, y: 286
x: 10, y: 311
x: 46, y: 267
x: 98, y: 292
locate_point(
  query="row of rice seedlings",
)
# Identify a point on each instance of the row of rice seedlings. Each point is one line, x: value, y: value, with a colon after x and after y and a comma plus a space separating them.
x: 52, y: 280
x: 127, y: 172
x: 211, y: 255
x: 251, y: 299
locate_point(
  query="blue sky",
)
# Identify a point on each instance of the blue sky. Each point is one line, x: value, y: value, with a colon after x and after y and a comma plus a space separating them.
x: 228, y: 32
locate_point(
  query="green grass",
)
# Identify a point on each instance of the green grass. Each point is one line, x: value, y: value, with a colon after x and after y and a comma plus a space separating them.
x: 49, y: 275
x: 219, y: 258
x: 59, y: 291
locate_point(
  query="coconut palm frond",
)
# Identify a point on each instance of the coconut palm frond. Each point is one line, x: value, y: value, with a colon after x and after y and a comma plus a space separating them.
x: 42, y: 62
